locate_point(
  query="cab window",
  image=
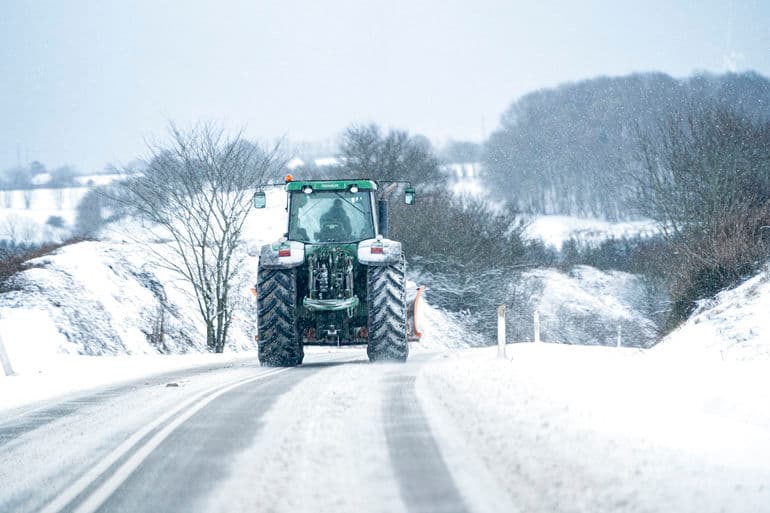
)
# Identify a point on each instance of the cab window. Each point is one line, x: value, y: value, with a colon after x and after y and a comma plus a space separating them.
x: 330, y: 216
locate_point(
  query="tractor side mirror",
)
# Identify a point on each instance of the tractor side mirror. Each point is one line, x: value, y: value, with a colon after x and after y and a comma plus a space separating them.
x: 409, y: 196
x: 260, y: 200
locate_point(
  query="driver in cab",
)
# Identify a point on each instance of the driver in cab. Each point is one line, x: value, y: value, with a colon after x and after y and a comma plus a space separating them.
x: 335, y: 224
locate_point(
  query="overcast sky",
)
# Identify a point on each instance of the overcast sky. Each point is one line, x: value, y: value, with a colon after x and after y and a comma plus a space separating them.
x: 88, y: 82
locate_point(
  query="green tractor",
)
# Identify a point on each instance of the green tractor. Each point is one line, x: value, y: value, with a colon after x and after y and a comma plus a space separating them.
x: 334, y: 278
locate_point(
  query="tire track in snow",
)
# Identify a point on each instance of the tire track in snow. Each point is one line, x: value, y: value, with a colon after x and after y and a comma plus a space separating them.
x: 322, y: 448
x: 104, y: 482
x: 121, y: 462
x: 193, y: 460
x: 423, y: 477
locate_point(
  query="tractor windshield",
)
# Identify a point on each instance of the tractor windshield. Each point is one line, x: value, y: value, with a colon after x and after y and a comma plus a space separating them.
x: 330, y: 216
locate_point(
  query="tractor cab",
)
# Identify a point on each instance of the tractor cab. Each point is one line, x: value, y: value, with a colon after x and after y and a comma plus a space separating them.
x: 332, y: 212
x: 336, y: 211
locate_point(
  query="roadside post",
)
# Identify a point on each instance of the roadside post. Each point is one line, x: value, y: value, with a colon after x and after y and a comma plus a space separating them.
x: 5, y: 360
x: 501, y: 331
x: 620, y: 331
x: 537, y: 327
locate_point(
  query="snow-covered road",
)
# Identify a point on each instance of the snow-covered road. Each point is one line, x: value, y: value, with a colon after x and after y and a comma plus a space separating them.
x: 553, y: 429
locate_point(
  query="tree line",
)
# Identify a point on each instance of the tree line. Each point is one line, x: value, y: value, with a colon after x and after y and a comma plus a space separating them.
x: 574, y: 150
x: 23, y: 177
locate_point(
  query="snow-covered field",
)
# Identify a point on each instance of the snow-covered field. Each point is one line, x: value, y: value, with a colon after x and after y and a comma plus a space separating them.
x: 465, y: 179
x: 24, y: 214
x: 555, y: 230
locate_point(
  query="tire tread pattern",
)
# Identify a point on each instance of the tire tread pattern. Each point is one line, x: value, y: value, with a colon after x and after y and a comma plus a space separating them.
x: 386, y: 299
x: 279, y: 342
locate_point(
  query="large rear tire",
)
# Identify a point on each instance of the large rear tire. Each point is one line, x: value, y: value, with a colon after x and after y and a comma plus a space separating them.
x: 386, y: 299
x: 279, y: 341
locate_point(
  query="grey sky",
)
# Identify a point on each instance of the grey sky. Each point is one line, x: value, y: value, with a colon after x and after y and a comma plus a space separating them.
x: 87, y: 82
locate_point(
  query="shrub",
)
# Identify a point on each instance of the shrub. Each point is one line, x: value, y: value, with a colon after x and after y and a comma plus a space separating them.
x: 468, y: 231
x: 55, y: 221
x: 705, y: 176
x: 706, y: 263
x: 14, y: 261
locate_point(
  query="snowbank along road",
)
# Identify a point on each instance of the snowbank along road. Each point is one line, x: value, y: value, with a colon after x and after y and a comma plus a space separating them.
x: 554, y: 429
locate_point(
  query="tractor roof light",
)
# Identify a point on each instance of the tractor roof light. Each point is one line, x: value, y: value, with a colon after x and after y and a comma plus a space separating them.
x: 354, y: 188
x: 288, y: 178
x: 307, y: 189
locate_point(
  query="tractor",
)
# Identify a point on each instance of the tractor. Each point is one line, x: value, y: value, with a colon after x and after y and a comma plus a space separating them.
x: 334, y: 278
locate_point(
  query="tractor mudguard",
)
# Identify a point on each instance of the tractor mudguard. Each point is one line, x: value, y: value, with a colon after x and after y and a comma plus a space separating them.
x: 282, y: 255
x: 379, y: 252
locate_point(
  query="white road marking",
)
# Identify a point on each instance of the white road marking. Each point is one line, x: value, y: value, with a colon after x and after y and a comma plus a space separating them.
x: 101, y: 494
x: 76, y: 395
x: 195, y: 403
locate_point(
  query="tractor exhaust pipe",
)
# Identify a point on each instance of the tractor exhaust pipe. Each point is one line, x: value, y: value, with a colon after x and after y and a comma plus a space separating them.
x: 382, y: 215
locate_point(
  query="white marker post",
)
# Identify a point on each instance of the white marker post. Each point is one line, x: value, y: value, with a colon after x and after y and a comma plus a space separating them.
x: 537, y: 327
x: 501, y: 331
x: 620, y: 330
x: 5, y: 360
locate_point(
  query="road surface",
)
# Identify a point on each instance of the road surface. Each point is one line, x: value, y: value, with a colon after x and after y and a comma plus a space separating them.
x: 336, y: 434
x: 553, y: 429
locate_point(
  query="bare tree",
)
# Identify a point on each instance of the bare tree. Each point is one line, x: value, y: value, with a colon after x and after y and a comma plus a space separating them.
x: 90, y: 210
x: 10, y: 228
x: 703, y: 165
x: 27, y: 195
x: 18, y: 229
x: 369, y: 153
x: 197, y: 189
x: 62, y: 177
x: 58, y: 198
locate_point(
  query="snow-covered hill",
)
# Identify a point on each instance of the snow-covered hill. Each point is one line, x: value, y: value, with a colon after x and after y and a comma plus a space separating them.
x: 110, y: 297
x: 104, y: 298
x: 734, y: 325
x: 589, y: 306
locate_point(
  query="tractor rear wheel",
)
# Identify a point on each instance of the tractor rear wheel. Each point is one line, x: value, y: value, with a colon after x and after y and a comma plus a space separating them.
x: 279, y: 341
x: 386, y: 299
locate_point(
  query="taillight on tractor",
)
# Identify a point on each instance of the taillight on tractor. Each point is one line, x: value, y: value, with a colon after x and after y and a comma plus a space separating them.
x: 284, y: 252
x: 376, y: 250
